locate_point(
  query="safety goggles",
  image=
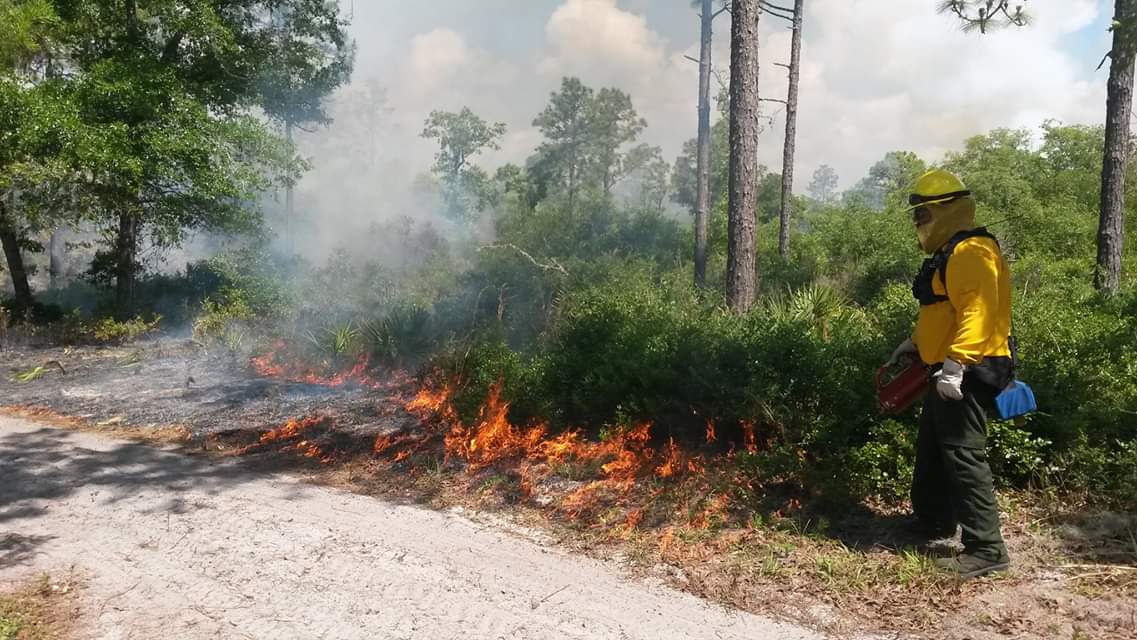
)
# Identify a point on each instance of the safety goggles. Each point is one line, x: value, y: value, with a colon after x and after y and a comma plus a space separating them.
x: 916, y: 200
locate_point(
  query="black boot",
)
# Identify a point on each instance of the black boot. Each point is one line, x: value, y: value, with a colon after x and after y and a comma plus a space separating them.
x: 966, y: 565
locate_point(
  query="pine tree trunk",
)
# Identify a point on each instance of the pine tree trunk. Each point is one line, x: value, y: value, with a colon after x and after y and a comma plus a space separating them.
x: 126, y: 246
x: 703, y: 148
x: 1111, y: 229
x: 571, y: 184
x: 16, y: 269
x: 791, y: 133
x: 55, y: 257
x: 744, y: 106
x: 288, y: 202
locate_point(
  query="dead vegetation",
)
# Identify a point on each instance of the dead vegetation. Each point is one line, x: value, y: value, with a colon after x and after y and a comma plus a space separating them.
x: 45, y: 608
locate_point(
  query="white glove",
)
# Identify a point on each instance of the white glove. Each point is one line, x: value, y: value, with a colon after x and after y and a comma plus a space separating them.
x: 904, y: 349
x: 949, y: 380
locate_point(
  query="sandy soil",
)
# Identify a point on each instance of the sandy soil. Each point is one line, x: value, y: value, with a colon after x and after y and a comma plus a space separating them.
x: 188, y: 547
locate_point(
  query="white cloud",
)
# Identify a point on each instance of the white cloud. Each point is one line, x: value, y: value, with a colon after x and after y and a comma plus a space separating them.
x: 605, y: 45
x: 875, y: 80
x: 436, y: 58
x: 591, y: 37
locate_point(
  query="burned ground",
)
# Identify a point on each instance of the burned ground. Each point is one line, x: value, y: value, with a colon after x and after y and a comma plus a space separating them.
x: 166, y: 382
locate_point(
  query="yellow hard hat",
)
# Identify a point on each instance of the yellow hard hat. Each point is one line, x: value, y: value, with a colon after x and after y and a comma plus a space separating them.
x: 936, y: 187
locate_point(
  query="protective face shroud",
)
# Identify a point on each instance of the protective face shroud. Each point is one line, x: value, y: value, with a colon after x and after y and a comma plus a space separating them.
x: 947, y: 219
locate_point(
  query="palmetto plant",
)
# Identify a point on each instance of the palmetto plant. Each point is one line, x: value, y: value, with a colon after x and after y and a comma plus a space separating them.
x: 402, y: 335
x: 335, y: 341
x: 816, y: 304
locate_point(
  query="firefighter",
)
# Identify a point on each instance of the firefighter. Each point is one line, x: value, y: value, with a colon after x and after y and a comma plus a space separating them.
x: 963, y: 334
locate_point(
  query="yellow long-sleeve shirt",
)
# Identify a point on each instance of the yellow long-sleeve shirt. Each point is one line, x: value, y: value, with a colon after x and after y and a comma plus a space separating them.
x: 975, y: 321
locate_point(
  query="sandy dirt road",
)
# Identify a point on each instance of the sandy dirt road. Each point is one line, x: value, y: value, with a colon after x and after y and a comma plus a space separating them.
x: 188, y: 548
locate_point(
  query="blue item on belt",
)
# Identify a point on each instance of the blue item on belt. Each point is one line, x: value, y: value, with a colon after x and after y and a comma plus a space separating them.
x: 1016, y: 400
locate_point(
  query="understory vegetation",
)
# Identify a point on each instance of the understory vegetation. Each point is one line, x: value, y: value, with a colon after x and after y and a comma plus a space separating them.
x: 586, y: 318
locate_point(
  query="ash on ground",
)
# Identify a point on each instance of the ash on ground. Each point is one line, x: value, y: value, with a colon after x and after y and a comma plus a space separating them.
x: 163, y: 382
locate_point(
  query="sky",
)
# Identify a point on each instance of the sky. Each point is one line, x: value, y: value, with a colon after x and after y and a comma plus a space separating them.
x: 875, y: 78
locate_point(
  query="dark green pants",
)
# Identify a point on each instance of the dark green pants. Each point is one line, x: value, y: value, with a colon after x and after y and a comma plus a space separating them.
x: 952, y: 481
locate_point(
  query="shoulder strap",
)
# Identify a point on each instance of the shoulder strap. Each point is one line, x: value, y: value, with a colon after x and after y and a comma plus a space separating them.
x: 941, y: 266
x: 944, y: 254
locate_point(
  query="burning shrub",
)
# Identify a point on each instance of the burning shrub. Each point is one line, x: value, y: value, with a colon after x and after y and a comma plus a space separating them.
x: 478, y: 366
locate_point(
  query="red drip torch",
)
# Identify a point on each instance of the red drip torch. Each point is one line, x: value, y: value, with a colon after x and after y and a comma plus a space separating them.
x: 902, y: 385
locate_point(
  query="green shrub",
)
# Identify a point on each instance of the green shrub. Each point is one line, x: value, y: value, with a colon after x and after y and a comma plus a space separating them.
x: 75, y: 328
x: 39, y: 313
x: 1016, y: 456
x: 221, y: 321
x: 1103, y: 474
x: 647, y: 349
x: 883, y: 466
x: 111, y: 330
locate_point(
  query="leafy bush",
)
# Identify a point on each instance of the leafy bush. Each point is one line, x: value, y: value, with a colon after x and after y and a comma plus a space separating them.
x: 883, y: 466
x: 39, y: 313
x: 793, y: 373
x: 1016, y: 456
x: 1103, y: 474
x: 111, y: 330
x: 75, y: 328
x: 221, y: 321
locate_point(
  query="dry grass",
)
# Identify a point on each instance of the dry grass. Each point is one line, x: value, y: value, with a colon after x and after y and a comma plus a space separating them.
x: 43, y: 609
x: 111, y: 428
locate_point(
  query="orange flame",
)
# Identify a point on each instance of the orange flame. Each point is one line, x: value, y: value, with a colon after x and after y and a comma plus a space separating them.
x: 493, y: 438
x: 696, y: 465
x: 674, y: 461
x: 429, y: 401
x: 532, y: 451
x: 293, y: 430
x: 716, y: 510
x: 749, y: 438
x: 280, y: 362
x: 711, y: 431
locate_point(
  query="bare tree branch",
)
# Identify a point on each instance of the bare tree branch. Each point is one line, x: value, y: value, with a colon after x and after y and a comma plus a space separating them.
x: 553, y: 265
x: 776, y: 11
x: 771, y: 5
x: 1107, y: 56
